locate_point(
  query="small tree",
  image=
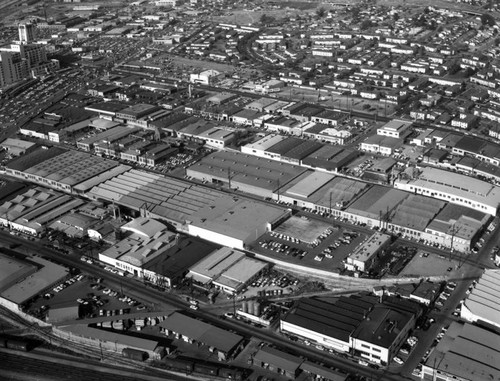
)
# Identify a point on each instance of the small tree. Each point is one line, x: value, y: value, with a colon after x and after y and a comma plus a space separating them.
x: 320, y: 12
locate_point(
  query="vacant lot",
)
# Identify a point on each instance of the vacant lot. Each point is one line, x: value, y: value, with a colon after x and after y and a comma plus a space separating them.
x: 429, y: 265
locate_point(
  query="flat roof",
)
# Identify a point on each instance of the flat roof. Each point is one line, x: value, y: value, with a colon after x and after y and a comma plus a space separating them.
x: 382, y: 326
x: 376, y: 201
x: 309, y: 183
x: 266, y: 142
x: 176, y: 261
x: 336, y: 319
x: 11, y: 143
x: 416, y: 211
x: 261, y: 103
x: 48, y: 273
x: 38, y: 155
x: 246, y: 169
x: 138, y: 109
x: 200, y: 331
x: 12, y: 270
x: 303, y: 150
x: 240, y: 218
x: 282, y: 147
x: 368, y: 248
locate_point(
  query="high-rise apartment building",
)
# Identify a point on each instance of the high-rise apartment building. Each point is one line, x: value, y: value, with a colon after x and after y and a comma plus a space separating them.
x: 26, y: 33
x: 13, y: 68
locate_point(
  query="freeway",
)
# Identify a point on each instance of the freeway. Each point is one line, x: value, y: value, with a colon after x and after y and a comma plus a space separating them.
x: 163, y: 300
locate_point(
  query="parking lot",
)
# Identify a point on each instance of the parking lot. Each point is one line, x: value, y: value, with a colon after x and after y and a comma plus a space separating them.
x: 329, y: 246
x: 92, y: 296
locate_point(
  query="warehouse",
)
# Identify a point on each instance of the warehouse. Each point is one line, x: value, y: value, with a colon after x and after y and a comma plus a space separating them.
x: 260, y: 147
x: 246, y: 173
x: 456, y: 227
x: 296, y: 154
x: 278, y: 361
x: 466, y: 352
x: 31, y: 211
x: 59, y: 169
x: 195, y: 331
x: 327, y: 324
x: 227, y: 269
x: 109, y: 340
x: 375, y: 205
x: 17, y: 147
x: 413, y: 215
x: 199, y: 211
x: 455, y: 188
x: 170, y: 268
x: 147, y: 239
x: 236, y: 223
x: 330, y: 158
x: 321, y: 372
x: 23, y: 278
x: 320, y: 191
x: 482, y: 306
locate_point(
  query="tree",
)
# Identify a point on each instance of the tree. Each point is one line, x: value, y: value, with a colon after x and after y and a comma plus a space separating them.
x: 266, y: 19
x: 487, y: 19
x: 320, y: 12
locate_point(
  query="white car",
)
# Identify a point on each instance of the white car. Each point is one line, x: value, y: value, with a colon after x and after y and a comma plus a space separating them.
x: 398, y: 361
x: 193, y: 307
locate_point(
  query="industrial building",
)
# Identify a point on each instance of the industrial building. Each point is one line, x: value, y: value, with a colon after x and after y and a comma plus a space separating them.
x: 23, y: 278
x: 109, y: 340
x: 278, y: 361
x: 246, y: 173
x: 17, y: 147
x: 31, y: 212
x: 482, y: 306
x: 365, y: 254
x: 195, y: 331
x: 327, y: 324
x: 456, y: 227
x: 379, y: 336
x: 227, y: 269
x: 413, y: 215
x: 145, y: 241
x: 200, y: 211
x: 375, y: 205
x: 320, y: 191
x: 360, y: 324
x: 455, y: 188
x: 330, y: 158
x: 61, y: 169
x: 466, y: 352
